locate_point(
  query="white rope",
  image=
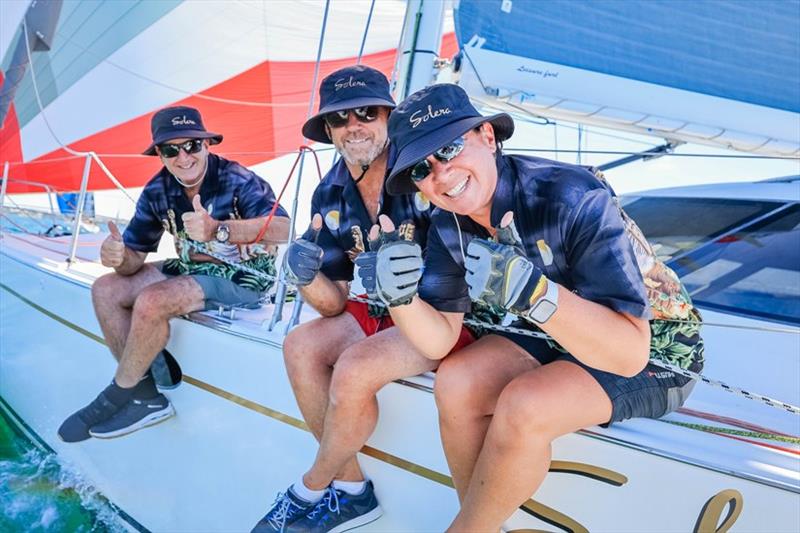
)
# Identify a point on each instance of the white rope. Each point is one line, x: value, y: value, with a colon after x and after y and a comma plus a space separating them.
x: 778, y: 404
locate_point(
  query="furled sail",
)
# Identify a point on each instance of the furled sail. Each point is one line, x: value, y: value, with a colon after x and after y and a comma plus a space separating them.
x: 724, y: 73
x: 247, y: 65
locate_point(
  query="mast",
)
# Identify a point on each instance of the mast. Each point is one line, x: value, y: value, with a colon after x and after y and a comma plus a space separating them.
x: 419, y: 47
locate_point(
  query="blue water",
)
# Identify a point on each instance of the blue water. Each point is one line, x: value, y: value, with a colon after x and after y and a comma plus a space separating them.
x: 38, y: 494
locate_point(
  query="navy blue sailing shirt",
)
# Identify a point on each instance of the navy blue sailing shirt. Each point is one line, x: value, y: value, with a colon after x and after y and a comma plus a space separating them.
x: 346, y: 222
x: 229, y: 192
x: 571, y: 229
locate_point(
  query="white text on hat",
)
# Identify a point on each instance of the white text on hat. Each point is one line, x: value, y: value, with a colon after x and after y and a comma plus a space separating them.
x: 416, y: 121
x: 344, y: 84
x: 182, y: 121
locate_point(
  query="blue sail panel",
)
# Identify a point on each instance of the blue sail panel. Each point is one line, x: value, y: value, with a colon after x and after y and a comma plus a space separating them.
x: 734, y: 49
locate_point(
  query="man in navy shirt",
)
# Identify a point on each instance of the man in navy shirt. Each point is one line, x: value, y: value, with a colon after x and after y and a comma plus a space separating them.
x: 550, y: 243
x: 353, y: 350
x: 196, y: 196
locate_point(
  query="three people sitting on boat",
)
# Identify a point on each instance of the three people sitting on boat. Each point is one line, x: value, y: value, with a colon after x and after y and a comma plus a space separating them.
x: 337, y: 363
x: 548, y: 242
x: 198, y: 197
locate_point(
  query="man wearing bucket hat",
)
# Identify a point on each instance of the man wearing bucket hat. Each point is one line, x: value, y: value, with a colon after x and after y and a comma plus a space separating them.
x: 548, y: 242
x: 196, y: 196
x: 353, y: 350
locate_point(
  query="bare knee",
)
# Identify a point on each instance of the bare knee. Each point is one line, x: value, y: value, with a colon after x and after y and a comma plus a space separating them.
x: 152, y: 303
x: 521, y: 413
x: 108, y: 288
x: 354, y: 378
x: 456, y: 389
x: 302, y: 349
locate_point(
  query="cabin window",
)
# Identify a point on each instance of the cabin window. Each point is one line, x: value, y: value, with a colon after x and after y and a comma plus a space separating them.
x: 754, y: 271
x: 677, y: 225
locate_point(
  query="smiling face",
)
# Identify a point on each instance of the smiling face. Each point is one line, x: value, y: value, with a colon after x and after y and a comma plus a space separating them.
x: 361, y: 143
x: 189, y: 169
x: 465, y: 185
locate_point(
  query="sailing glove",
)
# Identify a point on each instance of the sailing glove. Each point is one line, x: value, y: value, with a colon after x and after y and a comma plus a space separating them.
x: 302, y: 262
x: 367, y: 261
x: 499, y: 273
x: 398, y: 269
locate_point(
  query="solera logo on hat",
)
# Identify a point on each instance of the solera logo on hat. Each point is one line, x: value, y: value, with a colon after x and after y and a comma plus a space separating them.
x: 417, y: 120
x: 344, y: 84
x: 182, y: 121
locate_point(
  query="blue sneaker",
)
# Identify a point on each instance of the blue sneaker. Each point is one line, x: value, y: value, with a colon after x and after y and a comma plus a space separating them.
x: 136, y: 414
x: 340, y: 511
x: 287, y: 508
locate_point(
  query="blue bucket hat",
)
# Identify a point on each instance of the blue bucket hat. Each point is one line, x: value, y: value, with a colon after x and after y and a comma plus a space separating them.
x: 347, y: 88
x: 429, y: 119
x: 176, y: 123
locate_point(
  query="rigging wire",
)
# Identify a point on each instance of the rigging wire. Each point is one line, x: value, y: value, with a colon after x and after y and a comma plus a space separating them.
x: 666, y: 154
x: 366, y: 29
x: 50, y: 128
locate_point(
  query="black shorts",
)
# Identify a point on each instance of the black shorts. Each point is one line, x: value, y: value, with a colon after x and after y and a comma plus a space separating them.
x: 651, y: 393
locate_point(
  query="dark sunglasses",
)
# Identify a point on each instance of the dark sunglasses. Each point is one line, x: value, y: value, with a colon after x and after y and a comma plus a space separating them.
x: 444, y: 154
x: 191, y: 146
x: 337, y: 119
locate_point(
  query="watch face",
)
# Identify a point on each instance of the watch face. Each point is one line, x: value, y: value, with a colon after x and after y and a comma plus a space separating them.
x: 223, y: 233
x: 544, y: 310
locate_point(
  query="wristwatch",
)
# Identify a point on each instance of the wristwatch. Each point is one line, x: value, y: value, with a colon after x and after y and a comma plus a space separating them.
x: 223, y: 233
x: 544, y: 307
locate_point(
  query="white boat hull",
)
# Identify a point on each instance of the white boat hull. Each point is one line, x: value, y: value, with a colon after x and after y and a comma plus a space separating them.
x: 238, y: 437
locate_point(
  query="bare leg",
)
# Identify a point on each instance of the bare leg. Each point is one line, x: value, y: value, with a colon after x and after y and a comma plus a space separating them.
x: 113, y: 297
x: 310, y: 352
x: 149, y: 330
x: 468, y: 384
x: 532, y: 411
x: 361, y: 371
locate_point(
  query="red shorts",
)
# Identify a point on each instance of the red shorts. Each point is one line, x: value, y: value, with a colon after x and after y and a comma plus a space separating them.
x: 372, y: 325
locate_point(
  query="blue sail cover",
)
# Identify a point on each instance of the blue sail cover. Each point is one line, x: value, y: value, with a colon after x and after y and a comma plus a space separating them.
x: 737, y: 50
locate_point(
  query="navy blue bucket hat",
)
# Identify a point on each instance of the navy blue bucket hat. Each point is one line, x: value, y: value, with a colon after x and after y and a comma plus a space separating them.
x: 428, y: 120
x: 177, y: 123
x: 347, y: 88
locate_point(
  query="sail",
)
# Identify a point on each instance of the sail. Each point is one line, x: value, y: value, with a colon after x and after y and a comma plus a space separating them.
x: 248, y: 66
x: 723, y: 73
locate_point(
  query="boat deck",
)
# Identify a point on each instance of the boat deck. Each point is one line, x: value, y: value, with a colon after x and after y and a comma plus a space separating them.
x: 715, y: 428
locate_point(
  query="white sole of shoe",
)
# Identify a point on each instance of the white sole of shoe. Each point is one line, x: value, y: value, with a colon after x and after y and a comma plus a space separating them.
x: 359, y: 521
x: 150, y: 420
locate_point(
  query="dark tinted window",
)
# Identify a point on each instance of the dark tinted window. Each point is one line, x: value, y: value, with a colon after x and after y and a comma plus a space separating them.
x: 676, y: 225
x: 754, y: 271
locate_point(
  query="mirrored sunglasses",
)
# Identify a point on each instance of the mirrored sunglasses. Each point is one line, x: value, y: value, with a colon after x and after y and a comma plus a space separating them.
x: 444, y: 154
x: 191, y: 146
x: 337, y: 119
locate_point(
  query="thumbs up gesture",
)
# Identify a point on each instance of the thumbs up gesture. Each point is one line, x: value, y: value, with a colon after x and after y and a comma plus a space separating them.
x: 303, y: 259
x: 198, y: 224
x: 498, y: 272
x: 112, y: 251
x: 392, y: 269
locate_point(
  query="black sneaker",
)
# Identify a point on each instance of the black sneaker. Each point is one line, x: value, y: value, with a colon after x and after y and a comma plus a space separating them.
x: 287, y: 508
x: 76, y: 427
x: 136, y: 414
x: 340, y: 511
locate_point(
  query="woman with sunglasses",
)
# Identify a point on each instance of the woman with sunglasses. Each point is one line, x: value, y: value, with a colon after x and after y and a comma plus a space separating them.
x: 548, y: 242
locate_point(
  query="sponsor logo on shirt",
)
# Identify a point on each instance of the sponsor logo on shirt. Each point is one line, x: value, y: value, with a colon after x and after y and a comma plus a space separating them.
x: 332, y: 220
x: 545, y: 252
x: 421, y: 202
